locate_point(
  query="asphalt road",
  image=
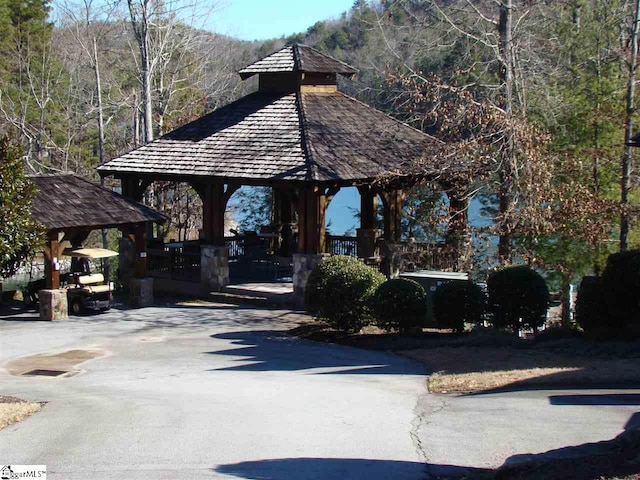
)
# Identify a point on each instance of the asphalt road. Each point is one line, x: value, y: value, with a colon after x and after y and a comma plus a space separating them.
x: 189, y: 392
x: 201, y: 392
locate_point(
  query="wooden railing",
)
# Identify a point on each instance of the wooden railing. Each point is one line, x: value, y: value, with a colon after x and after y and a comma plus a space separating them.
x: 235, y: 245
x: 342, y: 245
x: 424, y: 256
x: 176, y: 263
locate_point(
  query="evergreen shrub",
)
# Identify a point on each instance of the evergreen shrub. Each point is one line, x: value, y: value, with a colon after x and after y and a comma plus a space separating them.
x: 518, y: 298
x: 458, y: 302
x: 399, y: 304
x: 339, y: 290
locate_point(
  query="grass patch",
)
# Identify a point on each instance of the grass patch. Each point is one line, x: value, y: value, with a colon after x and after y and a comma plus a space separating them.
x: 14, y: 410
x: 475, y: 369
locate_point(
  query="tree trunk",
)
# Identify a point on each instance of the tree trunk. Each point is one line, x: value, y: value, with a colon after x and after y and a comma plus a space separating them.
x: 96, y: 72
x: 625, y: 179
x: 140, y: 24
x: 505, y: 30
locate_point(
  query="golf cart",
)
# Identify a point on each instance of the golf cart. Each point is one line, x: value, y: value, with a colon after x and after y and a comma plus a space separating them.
x: 86, y: 290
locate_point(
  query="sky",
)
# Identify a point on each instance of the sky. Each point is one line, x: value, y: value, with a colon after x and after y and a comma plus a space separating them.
x: 264, y: 19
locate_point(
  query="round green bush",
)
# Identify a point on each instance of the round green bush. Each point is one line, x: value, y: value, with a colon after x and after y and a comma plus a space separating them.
x: 518, y: 298
x: 458, y: 302
x: 621, y: 293
x: 399, y: 304
x: 339, y: 290
x: 591, y: 312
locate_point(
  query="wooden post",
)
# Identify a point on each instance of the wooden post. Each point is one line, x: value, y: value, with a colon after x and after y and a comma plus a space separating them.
x: 326, y: 195
x: 52, y: 261
x: 308, y: 218
x: 323, y: 204
x: 214, y: 204
x: 368, y: 207
x: 392, y: 202
x: 140, y: 241
x: 283, y: 218
x: 133, y: 187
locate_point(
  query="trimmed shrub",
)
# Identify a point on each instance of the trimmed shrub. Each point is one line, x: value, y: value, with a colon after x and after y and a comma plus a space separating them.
x: 399, y: 304
x: 591, y: 312
x: 621, y: 292
x: 339, y: 290
x: 518, y: 298
x: 458, y: 302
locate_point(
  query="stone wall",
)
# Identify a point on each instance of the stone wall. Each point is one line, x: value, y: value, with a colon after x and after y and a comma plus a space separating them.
x: 214, y: 268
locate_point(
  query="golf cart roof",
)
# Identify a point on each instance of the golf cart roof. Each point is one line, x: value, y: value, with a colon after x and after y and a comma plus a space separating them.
x: 90, y: 253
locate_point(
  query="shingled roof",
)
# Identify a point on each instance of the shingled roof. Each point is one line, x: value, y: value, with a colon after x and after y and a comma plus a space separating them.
x: 305, y: 133
x: 68, y: 201
x: 297, y: 58
x: 268, y: 136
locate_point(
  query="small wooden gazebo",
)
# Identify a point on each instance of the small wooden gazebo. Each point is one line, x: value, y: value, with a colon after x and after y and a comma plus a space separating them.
x: 70, y: 207
x: 297, y: 134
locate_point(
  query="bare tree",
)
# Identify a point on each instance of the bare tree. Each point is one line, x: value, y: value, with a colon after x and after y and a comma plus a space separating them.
x: 625, y: 179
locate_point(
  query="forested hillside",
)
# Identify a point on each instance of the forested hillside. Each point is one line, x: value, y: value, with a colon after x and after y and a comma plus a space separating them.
x: 541, y: 92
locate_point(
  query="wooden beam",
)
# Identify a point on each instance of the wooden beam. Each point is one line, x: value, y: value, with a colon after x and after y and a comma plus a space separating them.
x: 368, y: 207
x: 392, y: 202
x: 140, y: 242
x: 134, y: 187
x: 308, y: 219
x: 52, y: 253
x: 214, y: 204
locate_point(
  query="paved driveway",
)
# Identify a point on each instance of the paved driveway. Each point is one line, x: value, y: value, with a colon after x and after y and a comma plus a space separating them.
x: 201, y: 392
x: 215, y: 391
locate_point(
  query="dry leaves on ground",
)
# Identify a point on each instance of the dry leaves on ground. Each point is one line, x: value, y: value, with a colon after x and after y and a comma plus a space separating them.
x: 14, y: 410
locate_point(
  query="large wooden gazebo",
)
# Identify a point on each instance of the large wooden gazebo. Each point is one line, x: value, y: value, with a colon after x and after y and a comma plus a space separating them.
x: 297, y: 134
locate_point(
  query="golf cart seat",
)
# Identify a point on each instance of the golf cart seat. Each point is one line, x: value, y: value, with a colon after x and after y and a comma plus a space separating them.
x: 96, y: 288
x: 90, y: 279
x: 91, y: 283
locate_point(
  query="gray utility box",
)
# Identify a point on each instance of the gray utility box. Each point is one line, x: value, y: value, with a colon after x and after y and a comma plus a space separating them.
x: 430, y: 281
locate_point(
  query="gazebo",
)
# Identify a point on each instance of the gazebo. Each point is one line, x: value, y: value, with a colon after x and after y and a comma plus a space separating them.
x: 298, y: 135
x: 70, y: 207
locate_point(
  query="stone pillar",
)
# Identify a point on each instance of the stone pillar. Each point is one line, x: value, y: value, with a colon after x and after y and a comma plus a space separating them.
x: 126, y: 261
x: 141, y: 292
x: 53, y: 304
x: 214, y: 268
x: 303, y: 264
x: 367, y: 241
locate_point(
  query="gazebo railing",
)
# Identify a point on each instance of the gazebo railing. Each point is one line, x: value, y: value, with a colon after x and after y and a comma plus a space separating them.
x: 342, y: 245
x: 175, y: 263
x: 235, y: 245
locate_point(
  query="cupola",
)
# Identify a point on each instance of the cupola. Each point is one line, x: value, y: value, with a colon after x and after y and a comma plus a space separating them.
x: 298, y: 68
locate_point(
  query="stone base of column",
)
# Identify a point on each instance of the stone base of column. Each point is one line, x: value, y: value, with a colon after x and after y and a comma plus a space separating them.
x: 303, y: 265
x: 53, y: 304
x: 141, y: 292
x: 214, y: 268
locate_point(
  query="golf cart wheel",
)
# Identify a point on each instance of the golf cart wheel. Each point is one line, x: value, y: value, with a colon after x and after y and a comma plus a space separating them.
x: 76, y: 307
